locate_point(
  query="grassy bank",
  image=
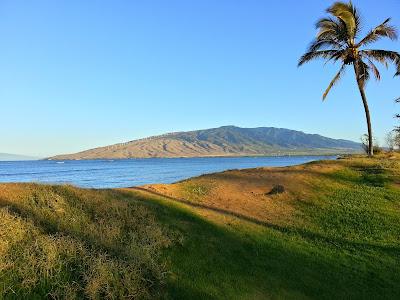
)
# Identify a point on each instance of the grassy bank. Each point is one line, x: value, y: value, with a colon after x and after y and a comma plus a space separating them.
x: 64, y: 242
x: 333, y: 233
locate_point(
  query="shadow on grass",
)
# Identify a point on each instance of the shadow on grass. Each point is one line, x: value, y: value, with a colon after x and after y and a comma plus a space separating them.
x: 216, y: 262
x: 303, y: 233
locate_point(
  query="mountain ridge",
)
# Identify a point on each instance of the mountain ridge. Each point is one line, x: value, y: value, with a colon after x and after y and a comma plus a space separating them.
x: 222, y: 141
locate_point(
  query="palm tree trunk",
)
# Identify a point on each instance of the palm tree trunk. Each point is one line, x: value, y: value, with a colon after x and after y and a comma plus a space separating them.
x: 367, y: 114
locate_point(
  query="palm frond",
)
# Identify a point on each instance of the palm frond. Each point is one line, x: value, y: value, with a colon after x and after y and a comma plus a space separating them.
x: 384, y: 56
x: 328, y: 23
x: 326, y: 54
x: 334, y: 81
x: 331, y: 29
x: 380, y: 31
x: 349, y: 15
x: 375, y: 70
x: 319, y: 44
x: 358, y: 20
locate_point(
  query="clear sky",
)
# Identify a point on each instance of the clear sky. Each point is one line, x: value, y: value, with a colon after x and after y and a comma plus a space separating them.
x: 78, y: 74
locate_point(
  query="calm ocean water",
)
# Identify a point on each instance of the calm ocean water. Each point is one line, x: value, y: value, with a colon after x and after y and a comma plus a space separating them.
x: 132, y: 172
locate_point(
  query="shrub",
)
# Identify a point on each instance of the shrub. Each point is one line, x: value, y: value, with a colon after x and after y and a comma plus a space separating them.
x: 277, y: 189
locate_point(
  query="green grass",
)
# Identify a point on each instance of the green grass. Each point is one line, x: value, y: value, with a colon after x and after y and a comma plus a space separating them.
x: 244, y: 261
x: 344, y: 244
x: 347, y: 247
x: 196, y: 191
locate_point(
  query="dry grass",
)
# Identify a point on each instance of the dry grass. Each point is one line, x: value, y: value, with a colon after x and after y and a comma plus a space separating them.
x: 246, y: 192
x: 65, y: 242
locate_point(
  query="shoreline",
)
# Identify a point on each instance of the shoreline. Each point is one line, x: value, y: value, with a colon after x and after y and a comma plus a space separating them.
x: 101, y: 174
x: 211, y: 156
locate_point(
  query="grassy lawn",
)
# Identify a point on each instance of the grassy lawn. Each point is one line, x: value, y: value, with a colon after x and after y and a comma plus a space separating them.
x: 342, y: 240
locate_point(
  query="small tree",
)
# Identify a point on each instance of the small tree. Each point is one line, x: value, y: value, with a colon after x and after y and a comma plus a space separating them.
x: 365, y: 142
x: 390, y: 140
x: 397, y: 140
x: 397, y: 130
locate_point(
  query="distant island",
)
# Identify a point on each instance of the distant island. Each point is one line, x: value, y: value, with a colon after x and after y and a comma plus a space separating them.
x: 12, y: 157
x: 222, y: 141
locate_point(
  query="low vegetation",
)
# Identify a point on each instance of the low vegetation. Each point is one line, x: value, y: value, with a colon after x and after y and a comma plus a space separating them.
x: 64, y: 242
x: 332, y: 232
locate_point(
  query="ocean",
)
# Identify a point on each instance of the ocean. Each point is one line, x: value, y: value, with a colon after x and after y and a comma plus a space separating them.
x: 134, y: 172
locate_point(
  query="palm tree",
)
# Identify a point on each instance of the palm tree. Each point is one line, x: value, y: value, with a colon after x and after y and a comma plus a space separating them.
x: 338, y: 40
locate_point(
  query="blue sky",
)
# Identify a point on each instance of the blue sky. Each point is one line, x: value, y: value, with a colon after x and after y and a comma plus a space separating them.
x: 80, y: 74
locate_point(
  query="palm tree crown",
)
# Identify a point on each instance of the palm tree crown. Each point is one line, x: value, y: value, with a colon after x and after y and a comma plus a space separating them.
x: 338, y: 40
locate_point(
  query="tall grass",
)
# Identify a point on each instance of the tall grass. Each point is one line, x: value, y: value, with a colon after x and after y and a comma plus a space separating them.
x: 65, y: 242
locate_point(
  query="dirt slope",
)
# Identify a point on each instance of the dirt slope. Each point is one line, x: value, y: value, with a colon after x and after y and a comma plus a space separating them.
x: 223, y: 141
